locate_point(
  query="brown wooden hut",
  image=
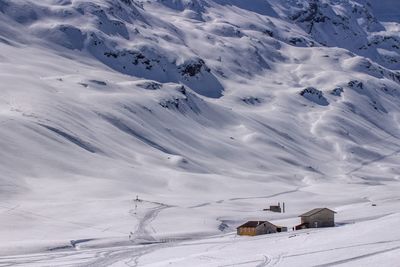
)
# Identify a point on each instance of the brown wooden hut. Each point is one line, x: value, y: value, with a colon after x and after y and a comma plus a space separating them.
x: 252, y: 228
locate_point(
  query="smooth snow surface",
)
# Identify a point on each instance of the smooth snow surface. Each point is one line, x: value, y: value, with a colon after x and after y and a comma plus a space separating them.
x: 208, y: 111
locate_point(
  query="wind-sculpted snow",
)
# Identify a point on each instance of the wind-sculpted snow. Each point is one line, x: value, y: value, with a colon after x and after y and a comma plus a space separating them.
x: 112, y: 111
x: 351, y: 25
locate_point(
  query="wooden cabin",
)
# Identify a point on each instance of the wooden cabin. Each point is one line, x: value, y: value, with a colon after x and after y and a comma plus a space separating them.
x: 253, y: 228
x: 316, y: 218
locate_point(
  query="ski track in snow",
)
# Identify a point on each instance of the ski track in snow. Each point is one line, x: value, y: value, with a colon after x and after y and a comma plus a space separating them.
x: 243, y: 198
x: 351, y: 260
x: 142, y: 231
x: 264, y: 262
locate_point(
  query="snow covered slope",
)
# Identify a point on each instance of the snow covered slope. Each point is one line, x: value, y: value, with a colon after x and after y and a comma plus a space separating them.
x: 208, y: 110
x: 387, y: 10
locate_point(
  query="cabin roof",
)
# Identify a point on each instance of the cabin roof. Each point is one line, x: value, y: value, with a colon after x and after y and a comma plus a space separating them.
x: 252, y: 224
x: 314, y: 211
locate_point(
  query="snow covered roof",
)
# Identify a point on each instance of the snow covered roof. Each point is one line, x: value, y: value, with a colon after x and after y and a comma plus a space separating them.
x: 312, y: 212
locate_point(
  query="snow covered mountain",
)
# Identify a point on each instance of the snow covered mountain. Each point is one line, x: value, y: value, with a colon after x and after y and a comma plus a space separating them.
x: 205, y: 109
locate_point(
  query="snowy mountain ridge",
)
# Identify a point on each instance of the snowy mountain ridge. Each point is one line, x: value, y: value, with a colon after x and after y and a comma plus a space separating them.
x: 203, y: 108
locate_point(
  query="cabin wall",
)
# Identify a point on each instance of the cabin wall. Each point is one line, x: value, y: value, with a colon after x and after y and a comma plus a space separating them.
x: 250, y: 231
x: 275, y: 209
x: 281, y: 229
x: 266, y: 228
x: 324, y: 218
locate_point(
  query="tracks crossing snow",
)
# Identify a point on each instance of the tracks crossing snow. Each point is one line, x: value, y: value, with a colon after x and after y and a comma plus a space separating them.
x: 142, y: 231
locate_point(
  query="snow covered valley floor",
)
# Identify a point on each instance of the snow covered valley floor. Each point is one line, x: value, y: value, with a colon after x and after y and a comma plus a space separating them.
x: 172, y: 235
x: 208, y: 111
